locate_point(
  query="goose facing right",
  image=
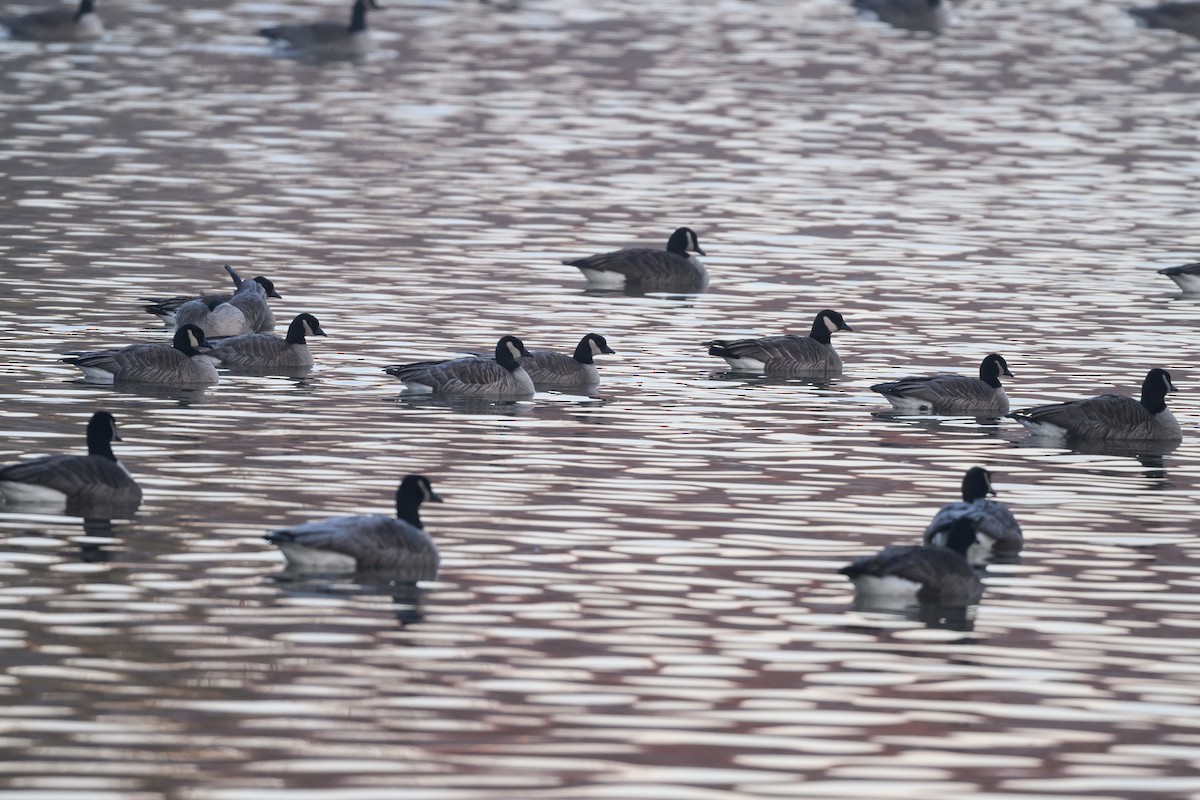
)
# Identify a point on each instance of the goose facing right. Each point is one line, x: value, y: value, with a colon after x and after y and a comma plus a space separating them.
x: 485, y: 378
x: 184, y: 362
x: 645, y: 268
x: 1109, y: 417
x: 246, y: 311
x: 553, y: 370
x: 265, y: 351
x: 946, y: 393
x: 1186, y: 276
x: 1183, y: 17
x: 922, y: 573
x: 63, y: 24
x: 787, y: 354
x: 997, y: 532
x: 326, y: 38
x: 166, y: 308
x: 928, y: 16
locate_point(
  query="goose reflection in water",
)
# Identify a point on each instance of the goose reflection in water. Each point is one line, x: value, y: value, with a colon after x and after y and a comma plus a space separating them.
x: 406, y: 596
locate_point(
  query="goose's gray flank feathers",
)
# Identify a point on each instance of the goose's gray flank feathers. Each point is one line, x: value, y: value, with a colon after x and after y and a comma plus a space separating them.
x: 263, y: 350
x: 492, y: 378
x: 246, y: 311
x: 1109, y: 416
x: 934, y: 575
x: 929, y: 16
x: 1185, y: 276
x: 787, y: 354
x: 56, y: 24
x: 946, y: 393
x: 552, y: 370
x: 996, y: 529
x: 644, y: 268
x: 1182, y: 17
x: 166, y: 308
x: 184, y: 362
x: 326, y: 38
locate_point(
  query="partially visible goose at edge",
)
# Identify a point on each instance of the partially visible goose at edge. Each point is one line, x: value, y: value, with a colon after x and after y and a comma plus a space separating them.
x: 928, y: 16
x: 264, y: 351
x: 1109, y: 416
x: 326, y: 38
x: 246, y: 311
x: 165, y: 308
x: 646, y: 269
x: 997, y: 532
x: 925, y: 574
x: 1182, y: 17
x: 78, y: 482
x: 369, y: 542
x: 500, y: 378
x: 946, y: 393
x: 788, y: 353
x: 1186, y: 276
x: 184, y: 362
x: 63, y: 24
x: 553, y: 370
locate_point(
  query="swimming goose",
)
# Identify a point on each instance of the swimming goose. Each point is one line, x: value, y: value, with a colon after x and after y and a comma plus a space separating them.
x: 996, y: 529
x: 184, y: 362
x: 246, y: 311
x: 265, y: 350
x: 165, y: 308
x: 1109, y: 416
x: 645, y: 268
x: 326, y: 38
x: 924, y: 573
x: 498, y: 378
x: 551, y: 370
x: 787, y: 353
x: 366, y: 543
x: 1186, y: 276
x: 946, y: 393
x: 1182, y: 17
x: 929, y: 16
x: 56, y: 24
x: 75, y: 481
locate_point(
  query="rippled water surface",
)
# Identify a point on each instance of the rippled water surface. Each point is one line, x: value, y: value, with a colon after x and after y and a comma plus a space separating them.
x: 639, y: 594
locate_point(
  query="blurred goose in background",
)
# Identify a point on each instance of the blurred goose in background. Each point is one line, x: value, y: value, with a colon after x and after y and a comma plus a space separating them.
x: 644, y: 268
x: 1182, y: 17
x: 996, y: 530
x: 925, y: 574
x: 552, y: 370
x: 1186, y: 276
x: 75, y: 481
x: 499, y: 378
x: 1109, y: 416
x: 183, y: 362
x: 246, y: 311
x: 326, y: 38
x: 264, y: 350
x: 787, y: 353
x: 369, y: 542
x: 165, y: 308
x: 946, y: 393
x: 929, y: 16
x: 63, y: 24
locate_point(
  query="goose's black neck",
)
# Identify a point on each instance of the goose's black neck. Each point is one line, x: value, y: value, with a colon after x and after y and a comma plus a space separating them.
x: 85, y: 7
x: 961, y: 536
x: 1154, y: 391
x: 358, y: 17
x: 989, y: 372
x: 820, y: 331
x: 100, y: 432
x: 583, y: 352
x: 295, y: 334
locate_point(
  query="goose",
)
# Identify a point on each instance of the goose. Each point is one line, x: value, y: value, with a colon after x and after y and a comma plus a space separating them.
x: 368, y: 542
x: 326, y: 38
x: 184, y: 362
x: 929, y: 16
x: 56, y: 24
x: 552, y: 370
x: 644, y: 268
x: 500, y: 378
x: 74, y: 481
x: 926, y: 574
x: 996, y: 529
x: 165, y: 308
x: 1109, y: 416
x: 946, y: 393
x: 1186, y: 276
x: 1182, y: 17
x: 246, y: 311
x: 787, y: 353
x: 265, y: 350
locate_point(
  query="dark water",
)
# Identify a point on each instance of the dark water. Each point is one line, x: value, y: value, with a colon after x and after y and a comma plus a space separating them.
x: 639, y: 596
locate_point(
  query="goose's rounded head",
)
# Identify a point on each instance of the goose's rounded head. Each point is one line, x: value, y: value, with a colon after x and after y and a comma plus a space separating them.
x: 103, y: 427
x: 684, y: 241
x: 418, y: 489
x: 190, y: 340
x: 976, y: 484
x: 508, y: 350
x: 1158, y: 380
x: 828, y: 322
x: 309, y: 324
x: 598, y: 344
x: 994, y: 364
x: 267, y: 286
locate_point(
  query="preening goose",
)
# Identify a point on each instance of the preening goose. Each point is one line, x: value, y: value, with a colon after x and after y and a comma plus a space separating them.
x: 922, y: 573
x: 366, y: 543
x: 500, y: 378
x: 1109, y: 416
x: 78, y: 482
x: 552, y: 370
x: 326, y: 38
x: 165, y: 308
x: 56, y: 24
x: 786, y: 354
x: 996, y: 530
x: 646, y: 269
x: 184, y: 362
x: 1186, y: 276
x: 263, y: 350
x: 946, y: 393
x: 929, y: 16
x: 1182, y: 17
x: 246, y: 311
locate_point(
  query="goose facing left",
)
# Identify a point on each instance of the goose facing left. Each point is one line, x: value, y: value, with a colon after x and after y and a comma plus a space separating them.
x: 497, y: 378
x: 185, y: 362
x: 787, y: 354
x: 922, y: 573
x: 550, y: 369
x: 77, y: 482
x: 265, y: 351
x: 997, y: 532
x: 1109, y: 417
x: 64, y: 24
x: 326, y: 38
x: 946, y: 393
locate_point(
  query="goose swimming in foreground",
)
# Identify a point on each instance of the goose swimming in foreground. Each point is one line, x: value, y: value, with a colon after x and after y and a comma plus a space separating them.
x: 552, y: 370
x: 75, y: 481
x: 246, y: 311
x: 788, y: 353
x: 56, y: 24
x: 185, y: 362
x: 165, y: 308
x: 996, y: 529
x: 1186, y: 276
x: 265, y: 351
x: 946, y: 393
x: 1182, y: 17
x: 499, y: 378
x: 326, y: 38
x: 924, y: 573
x: 366, y: 543
x: 1109, y: 416
x: 644, y: 268
x: 929, y: 16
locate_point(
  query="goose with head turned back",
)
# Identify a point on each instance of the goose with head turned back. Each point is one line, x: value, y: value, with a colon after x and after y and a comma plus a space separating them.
x: 185, y: 362
x: 1109, y: 417
x: 997, y: 532
x: 497, y: 378
x: 553, y: 370
x: 265, y: 351
x: 1186, y: 276
x: 166, y: 308
x: 946, y: 393
x: 246, y: 311
x: 369, y: 542
x: 56, y: 24
x: 925, y: 574
x: 787, y: 354
x: 326, y: 38
x: 1183, y: 17
x: 927, y: 16
x: 647, y: 269
x: 78, y: 482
